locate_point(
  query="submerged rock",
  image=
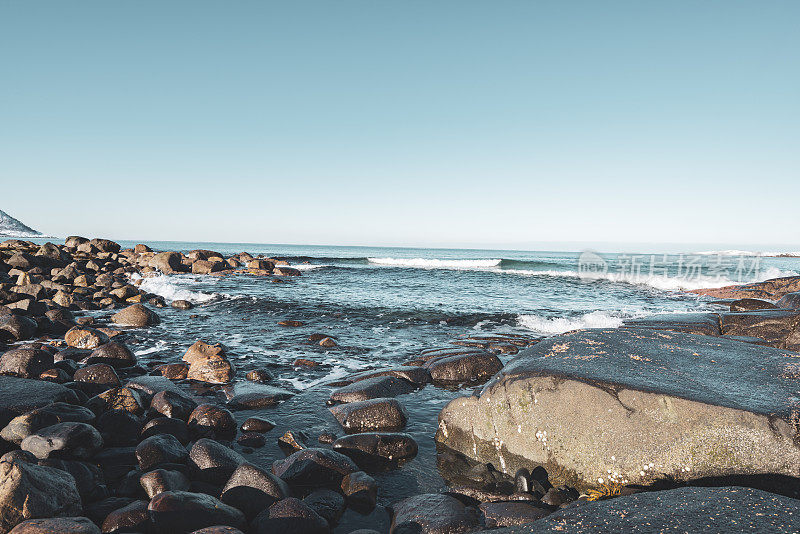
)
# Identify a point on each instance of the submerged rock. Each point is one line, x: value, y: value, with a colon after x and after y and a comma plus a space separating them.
x: 433, y: 513
x: 372, y: 388
x: 643, y: 404
x: 375, y: 414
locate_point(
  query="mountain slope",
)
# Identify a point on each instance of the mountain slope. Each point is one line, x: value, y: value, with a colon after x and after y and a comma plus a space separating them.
x: 11, y: 227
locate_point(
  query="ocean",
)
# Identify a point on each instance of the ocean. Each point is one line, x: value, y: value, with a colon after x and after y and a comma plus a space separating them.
x: 385, y: 305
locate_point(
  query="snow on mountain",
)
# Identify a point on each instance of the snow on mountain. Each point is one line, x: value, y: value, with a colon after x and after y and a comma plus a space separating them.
x: 11, y: 227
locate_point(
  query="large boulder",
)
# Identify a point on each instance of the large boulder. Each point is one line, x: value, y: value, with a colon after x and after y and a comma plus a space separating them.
x: 312, y: 468
x: 30, y: 491
x: 778, y: 328
x: 56, y: 525
x: 21, y: 395
x: 137, y: 315
x: 64, y: 440
x: 727, y: 509
x: 433, y: 513
x: 16, y: 328
x: 167, y: 262
x: 25, y: 362
x: 372, y: 388
x: 208, y: 363
x: 182, y: 512
x: 640, y: 404
x: 773, y: 289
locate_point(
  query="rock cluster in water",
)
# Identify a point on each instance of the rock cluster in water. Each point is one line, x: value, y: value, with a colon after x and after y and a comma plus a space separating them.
x: 92, y: 440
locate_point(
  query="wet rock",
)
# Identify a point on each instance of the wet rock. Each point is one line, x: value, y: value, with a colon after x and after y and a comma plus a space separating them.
x: 117, y: 399
x: 286, y: 271
x: 329, y: 504
x: 289, y: 515
x: 89, y: 479
x: 327, y: 437
x: 149, y: 385
x: 167, y: 425
x: 64, y: 440
x: 158, y: 450
x: 114, y: 353
x: 97, y: 511
x: 167, y: 262
x: 695, y: 406
x: 690, y: 323
x: 372, y: 388
x: 218, y: 529
x: 250, y: 395
x: 214, y: 462
x: 59, y: 376
x: 327, y: 342
x: 312, y: 468
x: 174, y: 371
x: 789, y: 301
x: 25, y: 362
x: 257, y: 424
x: 361, y: 491
x: 376, y: 450
x: 503, y: 514
x: 29, y: 491
x: 375, y: 414
x: 208, y: 267
x: 183, y: 512
x: 251, y: 490
x: 293, y: 441
x: 119, y: 428
x: 419, y: 376
x: 208, y: 363
x: 750, y: 305
x: 772, y: 289
x: 303, y: 362
x: 16, y: 328
x: 171, y: 404
x: 136, y: 315
x: 132, y: 517
x: 464, y: 368
x: 99, y: 374
x: 210, y: 420
x: 161, y: 480
x: 84, y: 337
x: 61, y: 525
x: 779, y: 328
x: 259, y: 375
x: 291, y: 323
x: 116, y: 461
x: 21, y: 395
x: 260, y: 265
x: 726, y: 509
x: 432, y: 513
x: 253, y: 440
x: 182, y: 304
x: 24, y: 425
x: 559, y: 496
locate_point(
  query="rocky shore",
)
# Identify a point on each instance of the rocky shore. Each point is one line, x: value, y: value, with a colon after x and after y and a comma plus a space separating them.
x: 576, y: 431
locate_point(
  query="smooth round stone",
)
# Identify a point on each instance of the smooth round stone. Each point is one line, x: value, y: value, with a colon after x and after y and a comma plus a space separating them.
x: 361, y: 491
x: 253, y: 440
x: 329, y: 504
x: 64, y: 440
x: 375, y: 414
x: 172, y: 404
x: 215, y: 462
x: 183, y: 511
x: 160, y: 449
x: 289, y: 515
x: 133, y: 517
x: 313, y: 468
x: 25, y: 362
x: 161, y: 480
x: 119, y: 428
x: 56, y: 525
x: 167, y: 425
x: 257, y: 424
x: 59, y: 412
x: 251, y: 490
x: 433, y: 512
x: 210, y: 420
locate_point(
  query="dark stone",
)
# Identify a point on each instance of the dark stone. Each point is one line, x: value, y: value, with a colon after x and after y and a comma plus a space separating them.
x: 214, y: 461
x: 60, y: 412
x: 89, y: 479
x: 182, y: 512
x: 64, y: 440
x: 250, y: 395
x: 167, y: 425
x: 16, y: 328
x: 149, y: 385
x: 312, y: 468
x: 750, y: 305
x: 251, y: 490
x: 99, y: 374
x: 25, y: 362
x: 419, y: 376
x: 182, y: 304
x: 172, y: 404
x: 373, y: 388
x: 259, y: 375
x: 779, y: 328
x: 160, y: 449
x: 375, y: 414
x: 119, y: 428
x: 113, y: 353
x: 293, y: 441
x: 376, y: 450
x: 97, y: 511
x: 289, y: 515
x: 432, y: 513
x: 59, y: 525
x: 329, y: 504
x: 503, y: 514
x: 117, y: 399
x: 254, y: 440
x: 690, y: 323
x: 475, y: 367
x: 132, y: 517
x: 210, y: 420
x: 257, y: 424
x: 116, y: 462
x: 789, y: 301
x: 161, y: 480
x: 361, y: 491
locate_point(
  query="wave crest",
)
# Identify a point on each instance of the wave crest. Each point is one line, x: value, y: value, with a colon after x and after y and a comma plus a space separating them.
x: 422, y: 263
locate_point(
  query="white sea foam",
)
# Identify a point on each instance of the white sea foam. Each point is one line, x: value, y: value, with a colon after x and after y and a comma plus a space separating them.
x: 308, y: 266
x: 172, y: 288
x: 734, y: 252
x: 422, y: 263
x: 559, y: 325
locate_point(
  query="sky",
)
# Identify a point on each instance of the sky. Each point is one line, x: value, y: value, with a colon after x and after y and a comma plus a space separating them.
x: 421, y: 123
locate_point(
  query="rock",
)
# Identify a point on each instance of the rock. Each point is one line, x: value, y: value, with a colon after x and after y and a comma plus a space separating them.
x: 161, y: 480
x: 141, y: 248
x: 182, y: 512
x: 116, y: 462
x: 772, y: 289
x: 59, y: 412
x: 218, y: 529
x: 174, y: 371
x: 311, y: 468
x: 29, y: 491
x: 779, y: 328
x: 789, y: 301
x: 286, y: 271
x: 372, y: 388
x: 84, y: 337
x: 25, y: 362
x: 89, y: 479
x: 158, y: 450
x: 208, y: 363
x: 97, y: 511
x: 750, y: 305
x: 253, y: 440
x: 376, y: 450
x: 210, y: 420
x: 119, y: 428
x: 117, y: 399
x: 375, y: 414
x: 257, y: 424
x: 167, y: 425
x: 327, y: 342
x: 171, y: 404
x: 208, y: 267
x: 251, y: 490
x: 149, y: 385
x: 293, y: 440
x: 105, y: 245
x: 329, y: 504
x: 361, y: 491
x: 114, y: 353
x: 690, y: 323
x: 214, y: 462
x: 74, y: 241
x: 291, y: 323
x: 182, y: 305
x: 137, y: 315
x: 475, y: 367
x: 259, y: 375
x: 419, y: 376
x: 646, y: 404
x: 133, y: 517
x: 64, y: 440
x: 100, y: 374
x: 432, y: 513
x: 61, y: 525
x: 289, y: 515
x: 727, y: 509
x: 21, y: 395
x: 250, y: 395
x: 167, y: 262
x: 16, y: 328
x: 503, y: 514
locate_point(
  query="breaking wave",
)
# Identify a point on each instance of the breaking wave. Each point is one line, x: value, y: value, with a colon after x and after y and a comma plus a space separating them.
x: 173, y: 288
x: 422, y: 263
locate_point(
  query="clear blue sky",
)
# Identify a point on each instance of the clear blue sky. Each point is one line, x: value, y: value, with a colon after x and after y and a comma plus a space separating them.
x: 463, y: 123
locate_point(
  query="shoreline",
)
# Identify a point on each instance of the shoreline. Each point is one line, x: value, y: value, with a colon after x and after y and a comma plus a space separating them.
x: 43, y: 285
